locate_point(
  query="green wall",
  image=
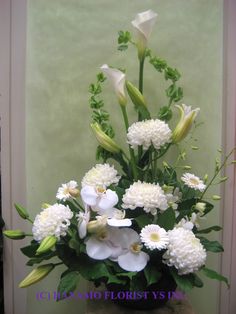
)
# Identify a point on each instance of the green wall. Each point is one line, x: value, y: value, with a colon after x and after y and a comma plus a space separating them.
x: 68, y: 40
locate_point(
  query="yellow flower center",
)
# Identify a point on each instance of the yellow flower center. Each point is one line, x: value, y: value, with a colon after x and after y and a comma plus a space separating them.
x: 135, y: 247
x: 194, y: 181
x: 101, y: 190
x: 102, y: 235
x: 154, y: 237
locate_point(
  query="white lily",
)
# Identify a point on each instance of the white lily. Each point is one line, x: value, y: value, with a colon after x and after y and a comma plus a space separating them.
x: 99, y: 199
x: 187, y: 117
x: 104, y: 244
x: 83, y: 220
x: 117, y: 79
x: 143, y: 24
x: 133, y: 259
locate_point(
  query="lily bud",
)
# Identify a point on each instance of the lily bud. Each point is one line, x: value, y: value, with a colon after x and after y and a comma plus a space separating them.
x: 22, y: 211
x: 205, y: 178
x: 117, y: 79
x: 187, y: 117
x: 96, y: 226
x: 104, y: 140
x: 135, y: 95
x: 36, y: 275
x: 143, y: 25
x: 46, y: 244
x: 14, y: 234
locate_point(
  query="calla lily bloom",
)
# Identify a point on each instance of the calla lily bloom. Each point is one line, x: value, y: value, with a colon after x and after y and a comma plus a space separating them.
x: 143, y: 24
x: 187, y: 117
x: 117, y: 79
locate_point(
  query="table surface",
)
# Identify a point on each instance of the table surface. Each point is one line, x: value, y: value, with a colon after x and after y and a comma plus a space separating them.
x: 108, y: 307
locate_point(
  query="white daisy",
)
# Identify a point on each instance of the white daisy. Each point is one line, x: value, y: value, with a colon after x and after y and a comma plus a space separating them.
x: 193, y: 182
x: 149, y: 132
x: 101, y: 175
x: 147, y: 195
x: 154, y: 237
x: 67, y: 190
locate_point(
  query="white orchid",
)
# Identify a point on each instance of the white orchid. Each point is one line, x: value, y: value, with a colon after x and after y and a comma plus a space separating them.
x: 118, y: 219
x: 132, y: 259
x: 117, y: 79
x: 83, y: 219
x: 143, y: 24
x: 105, y: 244
x: 189, y: 223
x: 99, y: 199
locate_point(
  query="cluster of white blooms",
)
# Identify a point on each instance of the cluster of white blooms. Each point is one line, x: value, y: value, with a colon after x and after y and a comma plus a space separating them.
x: 52, y: 221
x: 184, y: 251
x: 193, y: 182
x: 147, y: 195
x: 101, y: 175
x: 149, y: 132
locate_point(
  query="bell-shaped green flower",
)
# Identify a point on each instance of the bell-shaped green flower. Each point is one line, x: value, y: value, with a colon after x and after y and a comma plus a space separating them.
x: 36, y: 275
x: 104, y: 140
x: 187, y: 117
x: 143, y: 24
x: 117, y: 79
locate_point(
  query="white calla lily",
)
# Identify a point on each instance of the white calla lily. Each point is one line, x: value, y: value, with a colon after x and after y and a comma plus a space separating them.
x: 143, y: 24
x: 117, y: 79
x: 101, y: 200
x: 133, y: 259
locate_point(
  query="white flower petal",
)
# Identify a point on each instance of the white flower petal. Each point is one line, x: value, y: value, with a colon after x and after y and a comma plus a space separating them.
x: 117, y: 79
x: 108, y: 200
x: 133, y: 261
x: 89, y: 195
x: 97, y: 249
x: 119, y: 222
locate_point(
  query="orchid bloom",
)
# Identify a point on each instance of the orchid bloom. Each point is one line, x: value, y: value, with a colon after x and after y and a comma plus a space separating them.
x: 83, y: 219
x: 117, y: 79
x: 133, y: 259
x: 118, y: 219
x: 105, y: 244
x: 99, y: 199
x: 143, y: 24
x: 187, y: 117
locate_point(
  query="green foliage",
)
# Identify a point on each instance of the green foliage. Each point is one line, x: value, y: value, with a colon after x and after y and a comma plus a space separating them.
x: 208, y: 230
x: 124, y: 37
x: 152, y: 275
x: 68, y: 282
x: 212, y: 246
x: 166, y: 219
x: 214, y: 275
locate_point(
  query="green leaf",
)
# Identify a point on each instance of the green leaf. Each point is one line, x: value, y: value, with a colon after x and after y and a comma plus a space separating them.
x: 41, y: 258
x: 129, y: 274
x: 184, y: 282
x: 197, y: 282
x: 30, y: 250
x: 143, y: 220
x: 122, y: 47
x: 165, y: 113
x: 152, y: 275
x: 214, y: 275
x: 166, y: 219
x: 208, y: 208
x: 211, y: 246
x: 68, y: 283
x: 213, y: 228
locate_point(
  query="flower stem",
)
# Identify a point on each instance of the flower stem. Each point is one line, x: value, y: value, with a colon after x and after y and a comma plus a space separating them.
x: 132, y: 157
x: 30, y: 220
x: 141, y: 67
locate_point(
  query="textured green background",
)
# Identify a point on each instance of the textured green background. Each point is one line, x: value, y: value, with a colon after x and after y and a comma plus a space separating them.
x: 67, y: 42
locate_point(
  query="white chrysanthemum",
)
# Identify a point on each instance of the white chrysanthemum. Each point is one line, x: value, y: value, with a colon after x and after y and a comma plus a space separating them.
x: 102, y: 175
x: 154, y: 237
x: 148, y: 132
x: 184, y: 251
x: 53, y: 220
x: 67, y: 190
x: 147, y: 195
x: 193, y: 182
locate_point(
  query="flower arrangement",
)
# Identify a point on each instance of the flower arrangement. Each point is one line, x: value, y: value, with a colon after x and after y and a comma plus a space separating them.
x: 134, y: 222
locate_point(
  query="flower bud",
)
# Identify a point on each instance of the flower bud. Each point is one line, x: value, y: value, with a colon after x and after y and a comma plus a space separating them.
x: 96, y: 226
x: 45, y: 205
x: 216, y: 197
x: 74, y: 192
x: 205, y: 178
x: 36, y: 275
x: 187, y: 167
x: 135, y: 95
x: 200, y: 207
x: 104, y: 140
x: 22, y: 211
x: 14, y: 234
x: 46, y: 244
x: 187, y: 117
